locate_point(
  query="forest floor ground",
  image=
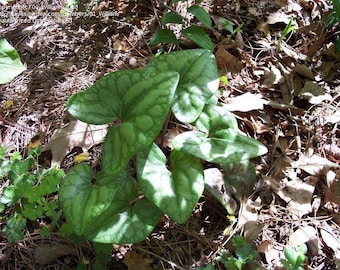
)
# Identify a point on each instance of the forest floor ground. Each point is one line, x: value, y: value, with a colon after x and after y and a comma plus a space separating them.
x: 285, y: 94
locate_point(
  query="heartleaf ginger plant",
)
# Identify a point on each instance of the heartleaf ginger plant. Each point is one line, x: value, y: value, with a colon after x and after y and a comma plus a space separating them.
x: 122, y: 204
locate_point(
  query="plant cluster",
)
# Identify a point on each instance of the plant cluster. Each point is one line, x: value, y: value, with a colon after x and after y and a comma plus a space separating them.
x: 197, y: 33
x: 244, y: 254
x: 122, y: 203
x: 28, y: 192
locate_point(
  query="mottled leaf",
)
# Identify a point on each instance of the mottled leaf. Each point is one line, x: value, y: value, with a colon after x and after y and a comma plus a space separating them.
x: 199, y: 80
x: 143, y: 112
x: 175, y: 192
x: 101, y: 211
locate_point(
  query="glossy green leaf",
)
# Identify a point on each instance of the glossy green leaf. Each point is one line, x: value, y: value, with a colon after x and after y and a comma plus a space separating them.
x: 10, y: 64
x: 199, y: 80
x: 102, y: 211
x: 201, y: 14
x: 101, y: 103
x: 143, y: 111
x: 175, y: 192
x: 218, y: 150
x: 163, y: 36
x: 197, y: 35
x: 219, y: 140
x: 172, y: 17
x: 218, y: 122
x: 130, y: 226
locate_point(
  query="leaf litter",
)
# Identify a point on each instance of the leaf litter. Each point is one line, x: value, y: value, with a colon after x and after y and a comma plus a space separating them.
x: 285, y: 94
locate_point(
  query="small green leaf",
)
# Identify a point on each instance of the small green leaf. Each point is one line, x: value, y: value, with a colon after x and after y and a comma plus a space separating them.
x: 172, y: 17
x: 163, y: 36
x: 199, y: 80
x: 175, y: 192
x: 14, y: 228
x: 290, y: 254
x: 10, y: 64
x: 197, y: 35
x: 201, y: 14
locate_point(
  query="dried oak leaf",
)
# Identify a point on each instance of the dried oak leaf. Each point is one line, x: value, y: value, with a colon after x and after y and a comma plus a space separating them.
x: 47, y: 253
x: 136, y: 261
x: 76, y: 133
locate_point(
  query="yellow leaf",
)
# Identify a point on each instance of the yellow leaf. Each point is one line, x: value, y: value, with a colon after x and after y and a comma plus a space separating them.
x: 81, y: 157
x: 34, y: 143
x: 9, y: 103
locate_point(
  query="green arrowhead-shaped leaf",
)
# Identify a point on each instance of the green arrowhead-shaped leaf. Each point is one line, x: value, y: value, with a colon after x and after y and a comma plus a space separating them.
x: 199, y: 80
x: 130, y: 226
x: 197, y: 35
x: 10, y: 64
x: 217, y: 150
x: 143, y: 111
x: 101, y: 211
x: 218, y: 122
x: 101, y: 103
x: 175, y: 192
x: 201, y: 14
x: 220, y: 140
x: 163, y: 36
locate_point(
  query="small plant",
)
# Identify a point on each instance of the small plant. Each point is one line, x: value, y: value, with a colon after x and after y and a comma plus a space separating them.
x: 111, y: 206
x: 28, y: 193
x: 244, y: 254
x: 288, y: 29
x: 294, y: 257
x: 190, y: 31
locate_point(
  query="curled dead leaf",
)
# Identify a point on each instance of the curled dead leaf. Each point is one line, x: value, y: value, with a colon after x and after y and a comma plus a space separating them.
x: 47, y: 253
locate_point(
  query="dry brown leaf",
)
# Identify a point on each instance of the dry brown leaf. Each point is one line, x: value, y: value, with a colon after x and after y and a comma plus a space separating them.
x: 136, y: 261
x: 314, y: 165
x: 302, y: 236
x: 332, y: 194
x: 272, y: 76
x: 277, y: 17
x: 304, y: 71
x: 248, y: 219
x: 296, y: 193
x: 76, y: 133
x: 331, y: 239
x: 292, y: 52
x: 314, y: 93
x: 271, y: 251
x: 226, y: 60
x: 214, y: 183
x: 246, y: 102
x: 47, y: 253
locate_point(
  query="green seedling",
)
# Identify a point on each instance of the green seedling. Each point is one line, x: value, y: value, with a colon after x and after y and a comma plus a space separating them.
x: 288, y: 29
x: 294, y: 257
x: 193, y: 32
x: 28, y: 193
x: 244, y: 253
